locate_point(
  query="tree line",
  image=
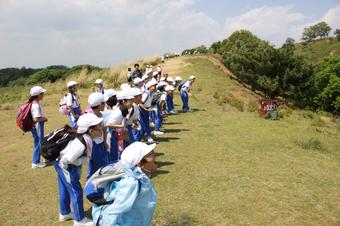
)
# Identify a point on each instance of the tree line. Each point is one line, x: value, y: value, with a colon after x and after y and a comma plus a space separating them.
x: 28, y: 76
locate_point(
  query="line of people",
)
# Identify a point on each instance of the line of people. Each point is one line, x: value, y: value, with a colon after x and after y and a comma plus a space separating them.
x: 114, y: 122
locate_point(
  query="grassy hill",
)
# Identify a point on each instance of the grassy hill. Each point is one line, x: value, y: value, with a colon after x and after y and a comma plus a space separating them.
x: 219, y: 165
x: 318, y: 49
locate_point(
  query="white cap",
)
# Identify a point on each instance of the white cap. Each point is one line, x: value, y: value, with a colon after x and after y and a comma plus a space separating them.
x: 137, y: 91
x: 120, y: 95
x: 99, y: 81
x: 86, y: 120
x: 145, y: 77
x: 137, y: 80
x: 71, y: 83
x: 36, y: 90
x: 128, y: 94
x: 178, y: 78
x: 162, y: 79
x: 170, y: 79
x: 169, y: 88
x: 124, y: 86
x: 109, y: 93
x: 135, y: 152
x: 191, y: 77
x: 162, y: 83
x: 152, y: 82
x: 95, y: 99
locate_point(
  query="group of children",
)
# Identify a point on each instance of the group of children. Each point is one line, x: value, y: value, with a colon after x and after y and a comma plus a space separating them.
x: 111, y: 130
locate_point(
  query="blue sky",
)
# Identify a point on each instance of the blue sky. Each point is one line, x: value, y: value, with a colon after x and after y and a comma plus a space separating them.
x: 219, y: 9
x: 38, y: 33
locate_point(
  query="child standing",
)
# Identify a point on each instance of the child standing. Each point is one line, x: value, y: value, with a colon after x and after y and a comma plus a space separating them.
x: 72, y: 101
x: 99, y: 83
x: 38, y: 116
x: 99, y: 155
x: 145, y: 109
x: 68, y: 168
x: 132, y: 121
x: 169, y: 89
x: 185, y: 90
x: 116, y: 124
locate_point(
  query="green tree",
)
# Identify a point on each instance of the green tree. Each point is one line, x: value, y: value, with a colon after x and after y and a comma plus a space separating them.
x: 276, y: 72
x: 215, y: 47
x: 337, y: 34
x: 321, y: 30
x: 327, y: 84
x: 308, y: 34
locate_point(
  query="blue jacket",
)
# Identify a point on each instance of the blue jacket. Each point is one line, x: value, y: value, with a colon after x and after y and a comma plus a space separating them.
x: 134, y: 201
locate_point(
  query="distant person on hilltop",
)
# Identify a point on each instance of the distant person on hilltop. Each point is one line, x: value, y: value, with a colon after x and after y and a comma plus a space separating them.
x: 137, y: 72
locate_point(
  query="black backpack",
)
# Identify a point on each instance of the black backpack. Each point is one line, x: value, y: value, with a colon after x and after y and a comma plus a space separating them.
x: 57, y: 140
x: 181, y: 84
x: 156, y: 98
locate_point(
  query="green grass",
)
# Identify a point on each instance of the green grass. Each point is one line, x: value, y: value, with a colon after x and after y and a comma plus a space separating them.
x: 216, y: 167
x: 316, y: 50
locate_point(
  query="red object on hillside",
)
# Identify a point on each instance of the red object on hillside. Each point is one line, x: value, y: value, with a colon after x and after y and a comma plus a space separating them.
x: 266, y: 105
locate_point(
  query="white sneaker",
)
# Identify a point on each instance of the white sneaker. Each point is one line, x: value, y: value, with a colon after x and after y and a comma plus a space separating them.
x: 83, y: 222
x: 66, y: 217
x: 158, y: 132
x: 150, y: 141
x: 39, y: 165
x: 172, y: 112
x: 162, y: 130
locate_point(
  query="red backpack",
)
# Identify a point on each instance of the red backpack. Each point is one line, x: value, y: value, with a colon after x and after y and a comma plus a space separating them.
x: 24, y: 117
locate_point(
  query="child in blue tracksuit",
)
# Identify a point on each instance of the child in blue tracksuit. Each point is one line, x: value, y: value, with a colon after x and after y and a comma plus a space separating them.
x: 133, y: 118
x: 68, y: 168
x: 116, y: 123
x: 134, y: 196
x: 100, y: 155
x: 185, y: 90
x: 38, y: 116
x: 169, y: 89
x: 72, y: 102
x: 156, y: 114
x: 145, y: 109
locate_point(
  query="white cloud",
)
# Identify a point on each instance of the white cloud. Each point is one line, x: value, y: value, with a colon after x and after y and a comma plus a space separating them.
x: 102, y: 32
x: 332, y: 17
x: 274, y: 23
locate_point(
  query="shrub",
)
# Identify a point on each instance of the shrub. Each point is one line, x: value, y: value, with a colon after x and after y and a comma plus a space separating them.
x: 232, y: 101
x: 216, y: 95
x: 308, y: 114
x: 284, y: 111
x: 318, y: 122
x: 253, y: 106
x: 311, y: 144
